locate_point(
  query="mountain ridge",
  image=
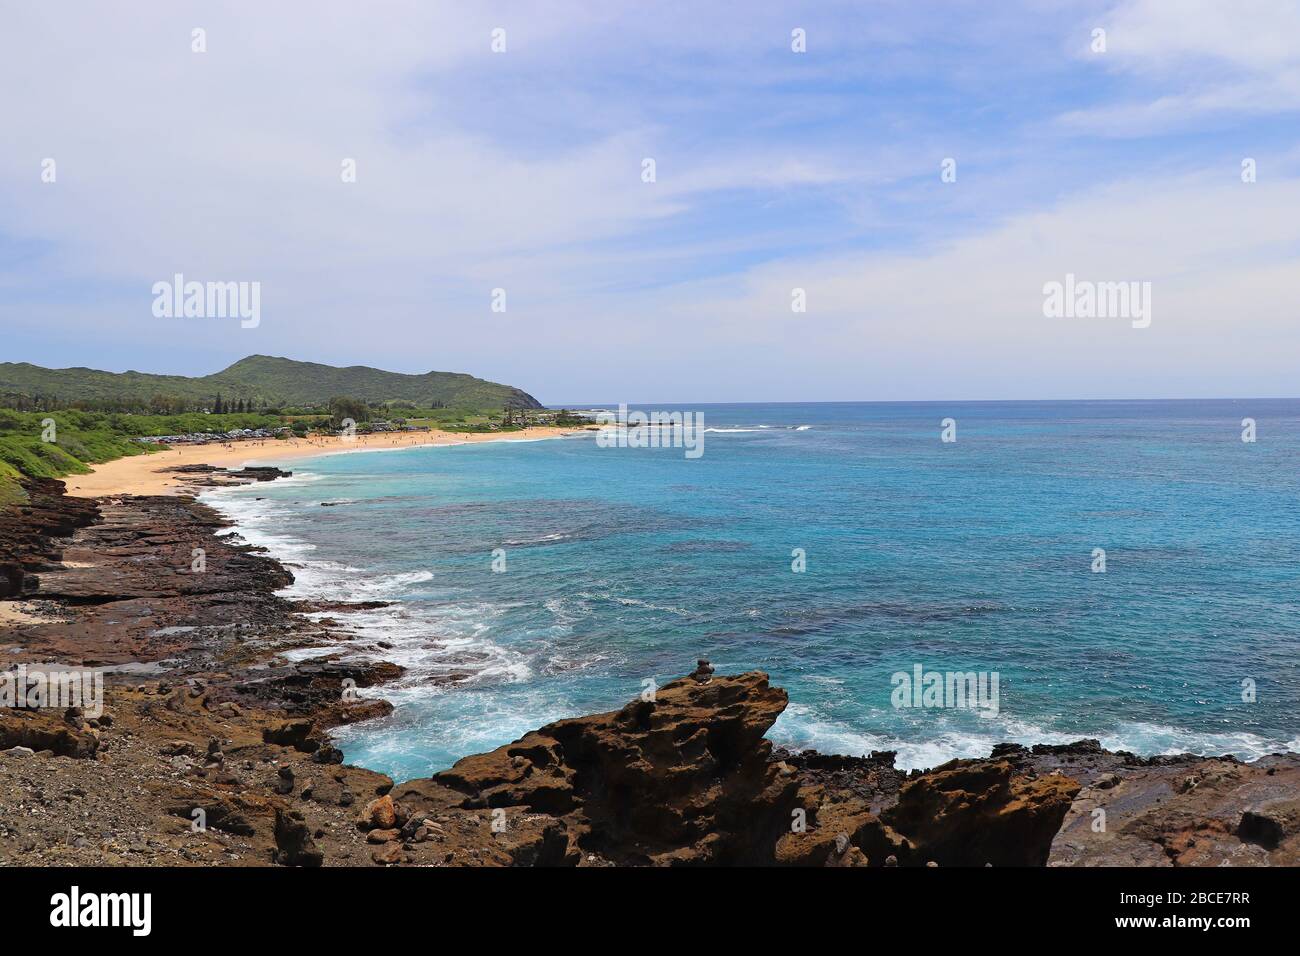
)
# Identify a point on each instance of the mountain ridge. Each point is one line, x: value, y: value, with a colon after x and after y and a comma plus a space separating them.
x: 266, y: 380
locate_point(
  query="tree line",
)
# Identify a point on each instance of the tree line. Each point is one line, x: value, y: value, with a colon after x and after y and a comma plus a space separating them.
x: 157, y: 404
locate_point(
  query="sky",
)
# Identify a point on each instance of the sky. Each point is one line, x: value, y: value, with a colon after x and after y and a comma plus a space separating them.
x: 1114, y: 157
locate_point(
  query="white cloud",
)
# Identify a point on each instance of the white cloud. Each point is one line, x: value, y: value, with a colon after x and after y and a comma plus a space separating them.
x: 965, y: 320
x: 522, y: 170
x: 1198, y: 58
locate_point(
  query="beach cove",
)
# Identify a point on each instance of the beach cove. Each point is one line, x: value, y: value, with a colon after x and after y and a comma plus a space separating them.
x: 146, y: 474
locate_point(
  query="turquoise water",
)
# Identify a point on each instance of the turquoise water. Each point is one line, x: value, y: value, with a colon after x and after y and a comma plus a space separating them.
x: 626, y: 564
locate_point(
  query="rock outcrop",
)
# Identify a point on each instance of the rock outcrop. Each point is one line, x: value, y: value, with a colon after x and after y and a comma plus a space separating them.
x: 210, y: 476
x: 974, y: 812
x: 1203, y: 812
x: 32, y: 533
x: 41, y: 730
x: 683, y: 778
x: 688, y: 778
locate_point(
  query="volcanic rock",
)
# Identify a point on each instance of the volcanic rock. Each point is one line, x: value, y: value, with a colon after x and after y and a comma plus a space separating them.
x: 294, y: 844
x: 682, y: 778
x: 972, y: 812
x: 1236, y: 814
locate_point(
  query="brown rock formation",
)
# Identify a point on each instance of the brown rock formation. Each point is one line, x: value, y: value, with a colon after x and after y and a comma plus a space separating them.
x: 688, y: 779
x: 31, y: 533
x: 973, y: 812
x: 1204, y: 812
x: 683, y: 778
x: 40, y: 730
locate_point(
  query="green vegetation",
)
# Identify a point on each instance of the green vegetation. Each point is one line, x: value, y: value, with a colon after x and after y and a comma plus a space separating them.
x: 342, y: 408
x: 259, y: 382
x: 10, y: 491
x: 30, y: 446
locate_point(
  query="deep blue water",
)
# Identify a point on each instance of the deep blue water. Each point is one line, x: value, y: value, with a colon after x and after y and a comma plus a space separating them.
x: 624, y: 564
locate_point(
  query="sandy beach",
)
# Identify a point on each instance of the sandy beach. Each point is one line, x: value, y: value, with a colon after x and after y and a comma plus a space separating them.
x: 144, y: 474
x: 16, y: 613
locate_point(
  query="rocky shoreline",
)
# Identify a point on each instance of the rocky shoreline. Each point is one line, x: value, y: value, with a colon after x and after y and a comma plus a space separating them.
x: 214, y: 747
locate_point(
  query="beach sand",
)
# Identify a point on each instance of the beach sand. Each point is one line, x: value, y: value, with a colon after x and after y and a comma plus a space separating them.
x: 13, y: 613
x: 142, y: 474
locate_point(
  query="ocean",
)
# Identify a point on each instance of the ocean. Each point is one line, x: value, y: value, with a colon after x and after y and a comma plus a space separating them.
x: 621, y: 566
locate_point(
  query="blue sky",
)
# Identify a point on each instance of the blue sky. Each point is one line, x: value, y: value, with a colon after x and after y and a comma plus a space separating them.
x: 775, y: 170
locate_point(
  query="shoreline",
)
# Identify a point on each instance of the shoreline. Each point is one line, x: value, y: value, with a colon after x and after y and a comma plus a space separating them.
x: 145, y: 474
x: 274, y: 547
x: 207, y: 708
x: 162, y: 482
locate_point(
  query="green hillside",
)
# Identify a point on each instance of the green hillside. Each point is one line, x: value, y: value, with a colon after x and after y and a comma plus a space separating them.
x: 262, y: 380
x: 68, y: 442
